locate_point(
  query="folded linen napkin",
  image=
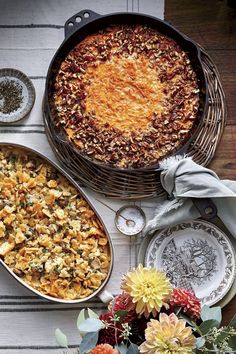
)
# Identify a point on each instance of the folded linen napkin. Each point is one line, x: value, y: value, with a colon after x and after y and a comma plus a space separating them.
x: 183, y: 180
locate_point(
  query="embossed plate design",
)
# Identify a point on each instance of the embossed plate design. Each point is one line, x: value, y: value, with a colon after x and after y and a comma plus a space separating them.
x: 195, y: 255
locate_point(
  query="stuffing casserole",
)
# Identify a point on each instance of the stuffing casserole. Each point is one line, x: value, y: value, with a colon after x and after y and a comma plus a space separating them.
x: 126, y: 96
x: 49, y: 235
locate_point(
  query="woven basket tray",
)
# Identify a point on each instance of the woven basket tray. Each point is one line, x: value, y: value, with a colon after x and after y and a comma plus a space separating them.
x: 139, y: 184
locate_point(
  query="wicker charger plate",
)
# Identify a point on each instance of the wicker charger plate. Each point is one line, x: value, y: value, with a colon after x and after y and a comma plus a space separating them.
x: 139, y: 184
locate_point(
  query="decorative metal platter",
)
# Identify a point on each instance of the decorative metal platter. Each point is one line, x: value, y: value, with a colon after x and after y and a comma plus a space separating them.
x: 16, y: 79
x: 195, y: 255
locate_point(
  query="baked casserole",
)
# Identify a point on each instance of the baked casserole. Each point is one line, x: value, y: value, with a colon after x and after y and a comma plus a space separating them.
x: 49, y: 235
x: 126, y: 96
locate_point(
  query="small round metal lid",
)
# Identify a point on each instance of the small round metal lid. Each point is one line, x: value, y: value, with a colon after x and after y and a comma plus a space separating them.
x: 18, y: 80
x: 130, y: 220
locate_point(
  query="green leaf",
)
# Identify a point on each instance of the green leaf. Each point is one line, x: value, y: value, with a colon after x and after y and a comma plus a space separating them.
x: 121, y: 314
x: 91, y: 325
x: 92, y: 314
x: 200, y: 342
x: 232, y: 342
x: 207, y: 325
x: 81, y: 318
x: 122, y: 348
x: 188, y: 320
x: 89, y: 341
x: 133, y: 349
x: 61, y: 338
x: 232, y: 322
x: 177, y: 310
x: 211, y: 313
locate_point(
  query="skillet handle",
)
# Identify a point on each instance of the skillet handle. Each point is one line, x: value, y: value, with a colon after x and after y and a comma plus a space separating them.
x: 206, y: 208
x: 79, y: 20
x: 208, y: 211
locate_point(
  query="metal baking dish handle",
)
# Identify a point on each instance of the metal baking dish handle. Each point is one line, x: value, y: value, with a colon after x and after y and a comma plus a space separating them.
x: 79, y: 20
x: 105, y: 296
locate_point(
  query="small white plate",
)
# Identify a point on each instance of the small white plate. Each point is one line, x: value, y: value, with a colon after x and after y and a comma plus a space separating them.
x: 28, y: 94
x: 195, y: 255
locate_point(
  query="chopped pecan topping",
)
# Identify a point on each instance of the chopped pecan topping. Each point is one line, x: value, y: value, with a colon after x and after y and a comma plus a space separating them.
x: 126, y: 96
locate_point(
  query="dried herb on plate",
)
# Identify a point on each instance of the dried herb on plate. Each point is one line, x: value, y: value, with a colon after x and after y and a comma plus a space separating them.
x: 10, y: 96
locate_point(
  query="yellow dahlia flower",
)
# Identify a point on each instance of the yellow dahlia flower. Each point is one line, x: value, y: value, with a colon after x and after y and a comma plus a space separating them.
x: 149, y: 289
x: 168, y: 336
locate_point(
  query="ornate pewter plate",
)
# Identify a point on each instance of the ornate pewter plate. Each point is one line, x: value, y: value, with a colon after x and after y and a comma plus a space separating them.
x: 27, y: 93
x: 195, y: 255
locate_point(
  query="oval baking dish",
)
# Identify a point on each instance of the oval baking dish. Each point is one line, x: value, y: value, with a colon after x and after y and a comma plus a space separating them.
x: 85, y: 23
x: 52, y: 239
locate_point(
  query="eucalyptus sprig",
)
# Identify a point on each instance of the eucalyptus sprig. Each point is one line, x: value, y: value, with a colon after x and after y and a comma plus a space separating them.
x: 211, y: 337
x: 89, y: 325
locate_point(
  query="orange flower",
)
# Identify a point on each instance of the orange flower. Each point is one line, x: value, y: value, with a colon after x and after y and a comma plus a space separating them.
x: 104, y: 349
x: 187, y: 300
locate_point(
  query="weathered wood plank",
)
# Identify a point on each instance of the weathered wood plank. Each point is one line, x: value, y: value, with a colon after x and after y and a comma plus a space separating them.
x: 224, y: 162
x: 213, y: 25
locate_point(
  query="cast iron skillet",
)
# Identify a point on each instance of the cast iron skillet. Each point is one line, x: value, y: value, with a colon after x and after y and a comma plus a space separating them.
x: 87, y: 22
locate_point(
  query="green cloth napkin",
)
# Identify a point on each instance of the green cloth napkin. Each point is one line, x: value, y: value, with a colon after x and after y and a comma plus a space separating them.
x: 183, y: 180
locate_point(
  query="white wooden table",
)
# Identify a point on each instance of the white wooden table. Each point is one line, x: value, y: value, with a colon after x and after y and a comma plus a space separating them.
x: 30, y: 33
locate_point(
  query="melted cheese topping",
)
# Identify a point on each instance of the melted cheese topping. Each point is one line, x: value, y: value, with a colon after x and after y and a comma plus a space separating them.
x: 125, y: 92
